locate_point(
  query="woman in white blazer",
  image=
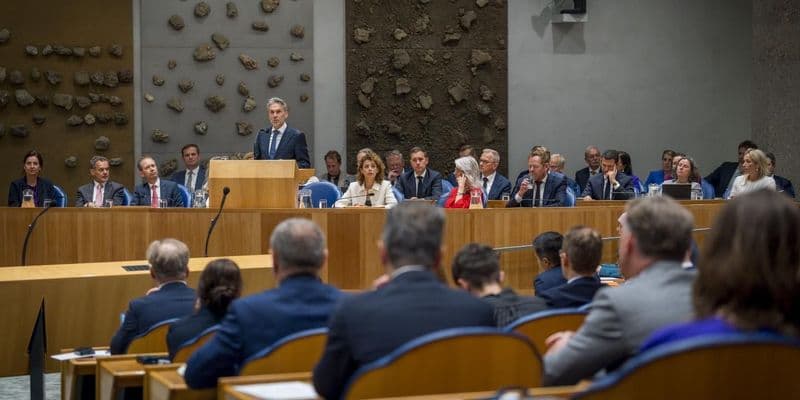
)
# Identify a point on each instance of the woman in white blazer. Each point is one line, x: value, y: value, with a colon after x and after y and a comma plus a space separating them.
x: 754, y: 174
x: 370, y: 188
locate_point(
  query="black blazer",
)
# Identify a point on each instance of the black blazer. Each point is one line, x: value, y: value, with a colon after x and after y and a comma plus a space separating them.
x: 111, y: 191
x: 547, y: 280
x: 168, y: 190
x: 554, y: 194
x: 575, y: 294
x: 431, y: 188
x: 44, y: 190
x: 784, y: 185
x: 500, y: 185
x: 189, y: 328
x: 595, y: 187
x: 582, y: 179
x: 293, y: 146
x: 180, y: 178
x: 721, y: 177
x: 369, y: 326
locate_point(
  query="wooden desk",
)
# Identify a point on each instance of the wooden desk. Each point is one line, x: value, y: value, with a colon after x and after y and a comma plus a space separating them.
x: 71, y: 372
x: 83, y: 302
x: 167, y: 384
x: 228, y: 392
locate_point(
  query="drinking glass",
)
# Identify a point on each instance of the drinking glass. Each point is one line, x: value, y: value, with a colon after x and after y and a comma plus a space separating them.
x: 163, y: 204
x: 475, y: 200
x: 506, y: 197
x: 108, y: 203
x: 199, y: 199
x: 653, y: 189
x: 323, y: 203
x: 27, y: 195
x: 304, y: 198
x: 47, y: 202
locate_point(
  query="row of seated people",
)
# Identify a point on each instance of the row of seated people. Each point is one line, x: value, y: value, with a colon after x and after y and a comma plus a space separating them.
x: 732, y: 290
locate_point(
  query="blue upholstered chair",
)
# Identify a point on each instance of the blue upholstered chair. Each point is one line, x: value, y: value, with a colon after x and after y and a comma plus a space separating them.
x: 708, y: 189
x: 570, y: 198
x: 323, y: 190
x: 60, y: 199
x: 127, y: 198
x: 185, y: 195
x: 398, y: 195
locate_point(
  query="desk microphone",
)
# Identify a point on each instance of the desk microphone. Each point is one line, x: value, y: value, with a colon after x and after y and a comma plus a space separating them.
x: 225, y: 192
x: 30, y: 231
x: 358, y: 196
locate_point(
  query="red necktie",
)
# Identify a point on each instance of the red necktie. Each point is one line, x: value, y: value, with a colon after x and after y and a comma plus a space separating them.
x: 154, y: 196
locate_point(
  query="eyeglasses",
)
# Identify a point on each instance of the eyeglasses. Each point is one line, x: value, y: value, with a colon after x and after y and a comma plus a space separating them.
x: 486, y: 162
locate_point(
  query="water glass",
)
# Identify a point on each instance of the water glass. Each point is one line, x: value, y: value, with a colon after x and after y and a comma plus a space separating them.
x: 163, y: 204
x: 475, y: 200
x: 108, y: 203
x: 27, y: 195
x: 506, y: 197
x: 47, y: 202
x: 323, y: 203
x: 199, y: 199
x: 653, y: 189
x: 304, y: 198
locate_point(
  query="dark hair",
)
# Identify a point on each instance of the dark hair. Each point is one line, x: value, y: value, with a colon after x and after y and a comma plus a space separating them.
x: 610, y: 155
x: 771, y: 157
x: 417, y: 149
x: 34, y: 153
x: 465, y: 148
x: 333, y: 154
x: 196, y: 147
x: 375, y: 158
x: 750, y: 264
x: 662, y: 227
x: 477, y: 264
x: 747, y: 144
x: 548, y: 245
x: 96, y: 159
x: 584, y: 247
x: 670, y: 153
x: 220, y: 284
x: 625, y: 159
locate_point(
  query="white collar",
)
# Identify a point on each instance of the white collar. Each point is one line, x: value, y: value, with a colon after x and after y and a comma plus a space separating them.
x: 281, y: 130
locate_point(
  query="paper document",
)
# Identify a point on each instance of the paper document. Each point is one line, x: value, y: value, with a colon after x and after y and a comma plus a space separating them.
x: 72, y: 355
x: 279, y: 391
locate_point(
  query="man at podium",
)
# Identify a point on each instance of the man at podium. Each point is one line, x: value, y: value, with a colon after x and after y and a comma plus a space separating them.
x: 279, y: 141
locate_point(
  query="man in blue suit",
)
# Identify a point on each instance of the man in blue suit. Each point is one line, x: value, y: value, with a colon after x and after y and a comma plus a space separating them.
x: 163, y: 189
x: 194, y: 176
x: 421, y: 182
x: 494, y: 184
x: 279, y: 141
x: 172, y: 298
x: 580, y: 255
x: 557, y: 164
x: 540, y: 188
x: 592, y: 157
x: 547, y: 246
x: 413, y: 303
x: 300, y: 302
x: 611, y: 184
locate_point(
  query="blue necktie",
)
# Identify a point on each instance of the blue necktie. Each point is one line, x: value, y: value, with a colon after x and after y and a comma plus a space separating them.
x: 274, y: 144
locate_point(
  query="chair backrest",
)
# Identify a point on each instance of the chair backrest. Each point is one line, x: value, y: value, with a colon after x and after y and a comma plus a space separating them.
x: 708, y: 189
x: 570, y: 197
x: 452, y: 360
x: 732, y: 366
x: 323, y: 190
x: 186, y: 349
x: 61, y: 197
x: 152, y: 341
x: 127, y: 198
x: 398, y: 195
x: 446, y: 186
x: 298, y: 352
x: 185, y: 195
x: 539, y: 326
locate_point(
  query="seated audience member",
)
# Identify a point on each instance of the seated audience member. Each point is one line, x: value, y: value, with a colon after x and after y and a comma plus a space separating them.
x: 464, y: 151
x: 467, y: 184
x: 539, y: 188
x: 541, y: 150
x: 476, y: 269
x: 32, y: 166
x: 547, y: 247
x: 370, y: 188
x: 557, y: 164
x: 658, y: 176
x: 413, y: 303
x: 686, y: 172
x: 421, y: 182
x: 220, y: 283
x: 361, y: 153
x: 395, y: 165
x: 754, y: 174
x: 494, y: 184
x: 625, y: 165
x: 172, y: 298
x: 781, y: 184
x: 300, y: 302
x: 747, y: 280
x: 612, y: 184
x: 580, y: 257
x: 154, y: 190
x: 593, y: 158
x: 101, y: 189
x: 194, y: 176
x: 334, y: 174
x: 723, y: 176
x: 656, y: 233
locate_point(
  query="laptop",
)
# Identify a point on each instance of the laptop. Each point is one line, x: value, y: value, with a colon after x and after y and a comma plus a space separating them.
x: 678, y: 191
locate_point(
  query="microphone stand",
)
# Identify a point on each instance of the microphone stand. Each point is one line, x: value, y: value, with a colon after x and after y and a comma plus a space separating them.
x: 225, y: 192
x: 30, y: 231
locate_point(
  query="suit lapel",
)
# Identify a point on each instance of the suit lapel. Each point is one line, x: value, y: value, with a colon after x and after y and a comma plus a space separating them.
x: 284, y: 141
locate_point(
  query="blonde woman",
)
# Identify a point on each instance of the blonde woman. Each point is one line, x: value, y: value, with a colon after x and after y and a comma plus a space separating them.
x: 754, y: 174
x: 370, y: 188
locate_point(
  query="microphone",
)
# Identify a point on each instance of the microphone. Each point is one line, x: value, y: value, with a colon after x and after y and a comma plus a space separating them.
x: 368, y: 202
x: 357, y: 196
x: 30, y: 231
x: 225, y: 192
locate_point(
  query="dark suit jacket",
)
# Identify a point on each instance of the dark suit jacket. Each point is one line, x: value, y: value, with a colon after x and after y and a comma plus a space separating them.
x: 253, y: 323
x: 44, y: 190
x: 595, y: 187
x: 500, y: 185
x: 721, y: 177
x: 180, y: 177
x: 168, y: 191
x: 369, y: 326
x: 574, y: 294
x: 173, y: 300
x: 784, y: 185
x: 431, y: 188
x: 292, y: 147
x: 582, y: 179
x: 554, y: 194
x: 111, y: 191
x: 509, y: 306
x: 189, y: 328
x: 547, y: 280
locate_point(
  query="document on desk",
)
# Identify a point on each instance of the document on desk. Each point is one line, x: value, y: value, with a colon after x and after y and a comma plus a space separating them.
x: 73, y: 355
x: 279, y: 391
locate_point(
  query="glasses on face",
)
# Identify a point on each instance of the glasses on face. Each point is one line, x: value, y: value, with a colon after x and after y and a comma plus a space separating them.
x: 486, y: 162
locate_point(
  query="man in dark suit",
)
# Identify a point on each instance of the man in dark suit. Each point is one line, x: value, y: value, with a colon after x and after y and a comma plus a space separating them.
x: 421, y: 182
x: 722, y: 177
x: 592, y: 157
x: 279, y: 141
x: 172, y: 298
x: 580, y: 255
x: 540, y: 188
x: 611, y: 184
x: 300, y: 302
x: 395, y: 165
x: 547, y: 246
x: 165, y: 190
x: 781, y: 184
x: 194, y: 176
x: 413, y: 303
x: 101, y: 189
x: 494, y: 184
x: 557, y: 164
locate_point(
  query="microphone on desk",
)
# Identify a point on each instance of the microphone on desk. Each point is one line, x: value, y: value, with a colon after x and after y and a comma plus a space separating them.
x: 358, y: 196
x: 225, y: 192
x: 31, y: 226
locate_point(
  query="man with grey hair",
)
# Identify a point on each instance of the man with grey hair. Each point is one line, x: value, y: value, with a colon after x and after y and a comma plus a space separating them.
x: 593, y: 158
x: 101, y: 189
x: 171, y: 298
x: 279, y: 141
x: 395, y: 165
x: 494, y: 184
x: 300, y: 302
x: 655, y: 233
x: 557, y: 164
x: 413, y: 303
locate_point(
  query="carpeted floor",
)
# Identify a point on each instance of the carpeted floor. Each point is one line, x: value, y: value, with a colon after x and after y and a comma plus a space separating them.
x: 18, y: 387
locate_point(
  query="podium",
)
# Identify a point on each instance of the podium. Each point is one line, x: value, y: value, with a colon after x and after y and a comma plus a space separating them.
x: 256, y: 183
